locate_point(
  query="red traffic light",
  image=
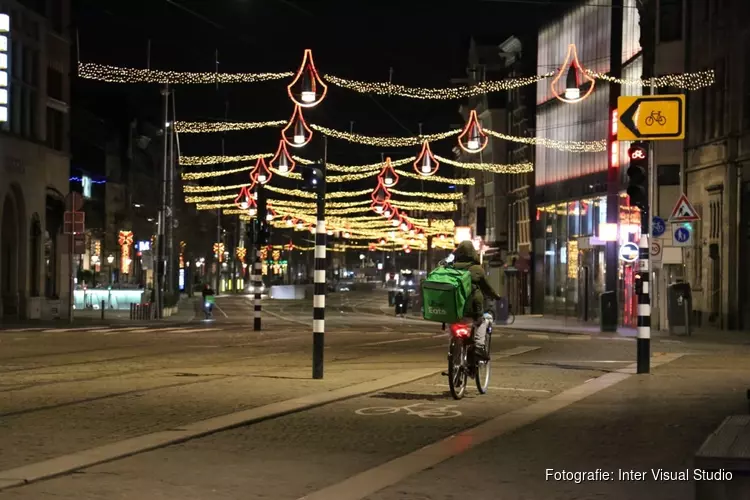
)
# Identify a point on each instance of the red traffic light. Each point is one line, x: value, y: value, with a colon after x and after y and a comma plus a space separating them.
x: 637, y: 153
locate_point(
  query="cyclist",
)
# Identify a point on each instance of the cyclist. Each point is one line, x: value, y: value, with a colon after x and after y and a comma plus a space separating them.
x: 208, y: 300
x: 467, y: 258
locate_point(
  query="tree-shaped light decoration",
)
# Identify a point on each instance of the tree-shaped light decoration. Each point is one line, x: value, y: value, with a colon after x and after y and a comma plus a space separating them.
x: 575, y: 77
x: 426, y: 164
x: 296, y: 133
x: 380, y: 196
x: 263, y: 174
x: 388, y: 175
x: 473, y: 139
x: 307, y: 89
x: 282, y: 160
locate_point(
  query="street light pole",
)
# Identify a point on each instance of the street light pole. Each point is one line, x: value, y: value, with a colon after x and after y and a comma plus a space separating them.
x: 160, y: 271
x: 319, y: 297
x: 260, y: 236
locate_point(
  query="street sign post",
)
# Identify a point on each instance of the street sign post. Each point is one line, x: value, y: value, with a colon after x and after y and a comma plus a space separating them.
x: 683, y: 211
x: 658, y: 227
x: 656, y: 253
x: 73, y: 225
x: 651, y: 117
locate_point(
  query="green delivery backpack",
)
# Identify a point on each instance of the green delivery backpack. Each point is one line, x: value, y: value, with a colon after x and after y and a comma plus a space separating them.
x: 445, y: 293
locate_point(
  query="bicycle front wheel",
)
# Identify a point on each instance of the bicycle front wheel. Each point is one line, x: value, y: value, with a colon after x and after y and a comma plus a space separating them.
x: 483, y: 369
x: 457, y: 368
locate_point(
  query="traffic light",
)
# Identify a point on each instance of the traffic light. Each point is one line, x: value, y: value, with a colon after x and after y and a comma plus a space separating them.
x: 312, y: 177
x: 638, y: 174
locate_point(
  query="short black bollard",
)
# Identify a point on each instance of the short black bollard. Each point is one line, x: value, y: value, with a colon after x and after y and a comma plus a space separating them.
x: 102, y: 309
x: 132, y: 311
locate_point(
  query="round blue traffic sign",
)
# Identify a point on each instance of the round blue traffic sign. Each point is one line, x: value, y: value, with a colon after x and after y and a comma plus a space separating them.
x: 659, y: 227
x: 681, y: 235
x: 629, y: 252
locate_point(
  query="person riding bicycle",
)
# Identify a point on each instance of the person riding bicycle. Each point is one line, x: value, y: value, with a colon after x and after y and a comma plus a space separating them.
x: 466, y: 258
x: 208, y: 300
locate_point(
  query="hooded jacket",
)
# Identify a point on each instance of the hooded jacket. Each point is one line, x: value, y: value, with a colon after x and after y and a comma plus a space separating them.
x: 467, y: 258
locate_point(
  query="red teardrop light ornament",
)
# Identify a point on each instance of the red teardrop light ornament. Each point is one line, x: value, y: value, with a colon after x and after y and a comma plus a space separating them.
x: 244, y: 200
x: 388, y: 210
x: 270, y: 213
x: 264, y: 174
x: 296, y: 133
x: 473, y: 139
x: 426, y: 164
x: 382, y: 241
x: 307, y: 89
x: 388, y: 176
x: 575, y: 76
x: 282, y: 160
x: 380, y: 194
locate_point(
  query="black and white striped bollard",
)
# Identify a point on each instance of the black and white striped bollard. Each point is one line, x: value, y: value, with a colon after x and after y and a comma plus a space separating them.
x: 319, y: 292
x: 643, y: 347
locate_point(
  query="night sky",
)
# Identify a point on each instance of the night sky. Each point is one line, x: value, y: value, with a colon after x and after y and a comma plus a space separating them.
x: 361, y: 40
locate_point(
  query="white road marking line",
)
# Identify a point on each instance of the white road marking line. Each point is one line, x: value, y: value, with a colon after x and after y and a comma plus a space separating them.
x: 396, y: 341
x: 221, y: 310
x: 364, y: 484
x: 18, y: 330
x: 537, y: 336
x: 516, y: 389
x: 583, y: 361
x: 62, y: 330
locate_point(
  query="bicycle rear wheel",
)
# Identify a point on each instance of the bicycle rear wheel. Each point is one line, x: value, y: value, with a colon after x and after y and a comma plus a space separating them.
x: 457, y: 377
x: 483, y: 369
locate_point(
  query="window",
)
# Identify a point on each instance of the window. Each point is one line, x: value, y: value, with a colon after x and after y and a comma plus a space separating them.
x: 54, y: 83
x: 55, y: 129
x: 670, y: 20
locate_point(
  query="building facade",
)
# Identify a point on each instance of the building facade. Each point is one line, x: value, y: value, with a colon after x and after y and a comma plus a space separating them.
x: 520, y: 115
x: 579, y: 191
x: 718, y: 160
x: 485, y: 206
x: 34, y: 272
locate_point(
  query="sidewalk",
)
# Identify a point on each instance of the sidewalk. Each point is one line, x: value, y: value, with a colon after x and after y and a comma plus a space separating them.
x: 569, y: 326
x: 188, y: 308
x: 643, y: 423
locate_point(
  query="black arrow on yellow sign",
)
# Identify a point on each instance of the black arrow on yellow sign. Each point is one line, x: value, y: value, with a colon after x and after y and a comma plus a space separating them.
x: 628, y: 118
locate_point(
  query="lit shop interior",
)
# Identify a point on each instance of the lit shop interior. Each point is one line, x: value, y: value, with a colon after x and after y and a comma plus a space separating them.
x: 571, y: 275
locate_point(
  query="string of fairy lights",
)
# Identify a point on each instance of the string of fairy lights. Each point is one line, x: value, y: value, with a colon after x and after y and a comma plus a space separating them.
x: 391, y: 225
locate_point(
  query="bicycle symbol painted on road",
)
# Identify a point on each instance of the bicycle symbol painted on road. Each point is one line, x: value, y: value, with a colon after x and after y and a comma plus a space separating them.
x: 428, y: 411
x: 656, y: 117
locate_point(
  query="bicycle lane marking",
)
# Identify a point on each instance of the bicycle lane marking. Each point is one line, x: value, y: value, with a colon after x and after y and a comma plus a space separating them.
x: 422, y: 410
x: 364, y: 484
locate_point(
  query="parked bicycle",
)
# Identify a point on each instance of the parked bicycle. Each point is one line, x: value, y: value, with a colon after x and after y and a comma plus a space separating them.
x: 462, y: 364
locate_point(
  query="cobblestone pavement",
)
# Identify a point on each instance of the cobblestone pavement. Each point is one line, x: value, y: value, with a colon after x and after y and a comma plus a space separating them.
x: 68, y: 391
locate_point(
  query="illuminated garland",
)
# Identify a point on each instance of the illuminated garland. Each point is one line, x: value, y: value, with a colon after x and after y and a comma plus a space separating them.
x: 303, y: 204
x: 436, y: 196
x: 203, y: 199
x: 214, y: 159
x: 117, y: 74
x: 388, y: 142
x: 212, y: 189
x: 290, y: 175
x: 462, y: 92
x: 570, y: 146
x: 686, y: 81
x: 306, y: 194
x: 193, y: 176
x: 497, y: 168
x: 208, y: 127
x: 467, y: 181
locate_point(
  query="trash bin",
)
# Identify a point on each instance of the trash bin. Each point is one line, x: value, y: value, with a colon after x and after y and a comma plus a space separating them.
x: 608, y: 311
x: 501, y: 311
x: 679, y: 307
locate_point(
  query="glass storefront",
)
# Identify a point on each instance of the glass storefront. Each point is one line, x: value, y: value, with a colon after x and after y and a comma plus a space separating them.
x: 571, y: 275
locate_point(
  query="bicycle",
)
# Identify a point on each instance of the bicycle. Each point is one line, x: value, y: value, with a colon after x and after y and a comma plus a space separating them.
x: 462, y: 362
x: 657, y: 117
